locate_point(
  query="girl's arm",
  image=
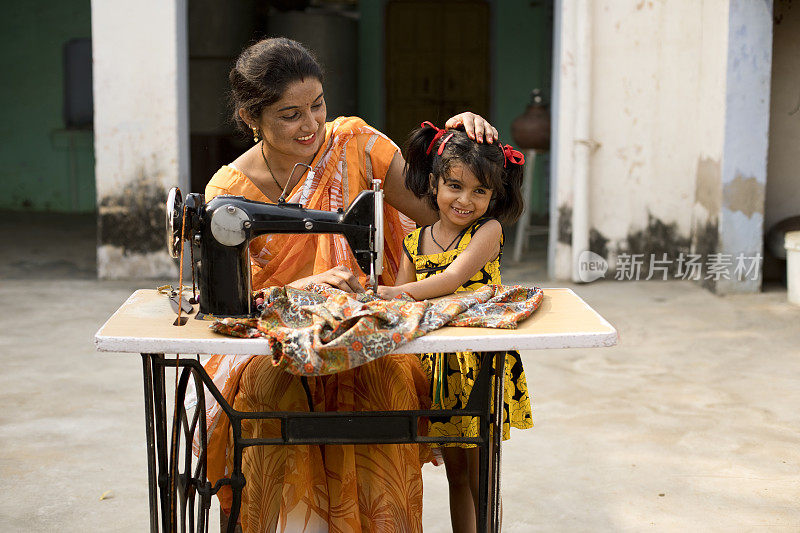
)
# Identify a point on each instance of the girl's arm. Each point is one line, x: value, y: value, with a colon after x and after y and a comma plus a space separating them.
x: 484, y: 247
x: 406, y: 273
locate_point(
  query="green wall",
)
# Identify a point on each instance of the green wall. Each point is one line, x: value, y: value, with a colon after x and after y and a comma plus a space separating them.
x: 522, y: 56
x: 522, y: 62
x: 371, y: 88
x: 42, y: 165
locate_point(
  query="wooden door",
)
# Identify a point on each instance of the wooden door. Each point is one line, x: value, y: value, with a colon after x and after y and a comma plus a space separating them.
x: 437, y: 62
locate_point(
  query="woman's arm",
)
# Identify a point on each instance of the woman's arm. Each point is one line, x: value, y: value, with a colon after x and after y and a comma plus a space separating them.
x: 339, y: 276
x: 399, y: 197
x: 484, y: 247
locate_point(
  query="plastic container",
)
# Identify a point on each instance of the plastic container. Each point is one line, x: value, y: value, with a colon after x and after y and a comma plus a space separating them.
x: 792, y: 245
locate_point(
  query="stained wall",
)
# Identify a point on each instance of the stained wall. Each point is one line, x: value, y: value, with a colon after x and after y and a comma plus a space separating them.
x: 141, y: 130
x: 679, y: 109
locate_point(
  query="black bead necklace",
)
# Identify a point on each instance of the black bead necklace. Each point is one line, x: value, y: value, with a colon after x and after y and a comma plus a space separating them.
x: 439, y: 245
x: 271, y: 173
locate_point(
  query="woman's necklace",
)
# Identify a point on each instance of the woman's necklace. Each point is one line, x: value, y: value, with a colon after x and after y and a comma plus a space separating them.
x: 439, y: 245
x: 271, y: 173
x: 282, y: 197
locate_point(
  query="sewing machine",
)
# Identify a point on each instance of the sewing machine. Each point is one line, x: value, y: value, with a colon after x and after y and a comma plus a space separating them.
x: 180, y: 495
x: 221, y: 230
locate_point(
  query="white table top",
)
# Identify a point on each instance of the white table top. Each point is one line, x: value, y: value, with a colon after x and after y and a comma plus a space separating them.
x: 144, y: 324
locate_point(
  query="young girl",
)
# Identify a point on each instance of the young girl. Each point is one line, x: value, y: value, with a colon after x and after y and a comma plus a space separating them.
x: 472, y: 185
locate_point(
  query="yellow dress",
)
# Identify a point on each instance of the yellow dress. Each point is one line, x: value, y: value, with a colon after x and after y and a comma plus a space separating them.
x: 461, y: 368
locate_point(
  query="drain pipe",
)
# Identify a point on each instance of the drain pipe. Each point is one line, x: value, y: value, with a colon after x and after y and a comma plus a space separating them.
x: 584, y: 145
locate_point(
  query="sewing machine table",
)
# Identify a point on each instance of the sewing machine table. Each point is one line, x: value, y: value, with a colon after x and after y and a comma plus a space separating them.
x: 144, y: 324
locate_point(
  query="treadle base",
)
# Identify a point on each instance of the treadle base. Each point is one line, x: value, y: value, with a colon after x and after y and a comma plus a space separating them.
x: 388, y: 429
x: 180, y: 494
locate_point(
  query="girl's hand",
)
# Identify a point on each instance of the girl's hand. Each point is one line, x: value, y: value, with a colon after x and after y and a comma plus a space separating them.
x: 476, y: 127
x: 388, y: 293
x: 340, y: 277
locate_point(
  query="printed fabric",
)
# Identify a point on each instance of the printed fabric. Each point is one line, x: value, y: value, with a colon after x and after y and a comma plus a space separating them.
x: 333, y: 335
x: 324, y: 330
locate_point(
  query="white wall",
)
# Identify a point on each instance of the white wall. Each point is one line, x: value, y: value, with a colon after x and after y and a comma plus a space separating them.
x: 559, y: 264
x: 657, y: 111
x: 668, y: 84
x: 783, y: 168
x: 141, y: 130
x: 656, y: 71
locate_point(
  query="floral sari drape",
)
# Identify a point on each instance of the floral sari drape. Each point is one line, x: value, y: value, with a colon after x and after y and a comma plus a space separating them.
x: 321, y: 488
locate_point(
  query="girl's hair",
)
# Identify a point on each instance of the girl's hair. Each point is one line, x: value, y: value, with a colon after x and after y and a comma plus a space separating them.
x: 485, y: 161
x: 262, y: 72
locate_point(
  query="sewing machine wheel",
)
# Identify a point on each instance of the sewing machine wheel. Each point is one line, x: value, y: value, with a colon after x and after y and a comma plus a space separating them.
x: 174, y: 213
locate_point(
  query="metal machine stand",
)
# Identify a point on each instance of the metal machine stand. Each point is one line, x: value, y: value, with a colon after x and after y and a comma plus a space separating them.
x: 180, y: 494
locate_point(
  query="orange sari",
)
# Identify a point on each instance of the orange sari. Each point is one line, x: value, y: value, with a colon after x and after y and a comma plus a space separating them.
x: 321, y: 488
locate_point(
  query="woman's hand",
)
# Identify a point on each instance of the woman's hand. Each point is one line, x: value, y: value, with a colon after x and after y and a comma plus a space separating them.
x: 475, y: 126
x: 340, y: 277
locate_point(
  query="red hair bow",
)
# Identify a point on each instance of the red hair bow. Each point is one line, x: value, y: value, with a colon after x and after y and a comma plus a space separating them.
x: 510, y: 154
x: 439, y: 133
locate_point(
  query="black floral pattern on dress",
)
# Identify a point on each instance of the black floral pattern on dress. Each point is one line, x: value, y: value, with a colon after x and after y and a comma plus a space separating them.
x: 461, y: 368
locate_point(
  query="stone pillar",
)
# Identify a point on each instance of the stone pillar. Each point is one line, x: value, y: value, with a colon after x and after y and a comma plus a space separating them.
x: 141, y: 130
x: 559, y: 251
x: 744, y: 158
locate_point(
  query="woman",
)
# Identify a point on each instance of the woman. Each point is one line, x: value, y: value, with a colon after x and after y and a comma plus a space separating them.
x: 277, y: 91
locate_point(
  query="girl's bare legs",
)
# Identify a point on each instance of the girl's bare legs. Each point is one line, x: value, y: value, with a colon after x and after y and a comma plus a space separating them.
x: 460, y: 483
x: 463, y: 470
x: 473, y: 464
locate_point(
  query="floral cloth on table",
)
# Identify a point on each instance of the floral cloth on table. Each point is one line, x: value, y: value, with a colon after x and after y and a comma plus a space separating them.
x: 322, y: 331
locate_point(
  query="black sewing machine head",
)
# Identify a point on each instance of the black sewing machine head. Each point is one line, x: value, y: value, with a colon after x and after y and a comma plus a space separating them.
x: 220, y: 232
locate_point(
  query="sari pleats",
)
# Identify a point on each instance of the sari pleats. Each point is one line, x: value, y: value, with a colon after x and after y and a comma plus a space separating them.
x: 373, y: 488
x: 337, y: 488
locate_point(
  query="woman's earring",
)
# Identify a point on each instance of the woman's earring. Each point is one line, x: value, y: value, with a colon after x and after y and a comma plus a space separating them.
x: 255, y: 133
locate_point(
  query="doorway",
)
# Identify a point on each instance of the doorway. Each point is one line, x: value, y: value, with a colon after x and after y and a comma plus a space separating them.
x: 437, y: 62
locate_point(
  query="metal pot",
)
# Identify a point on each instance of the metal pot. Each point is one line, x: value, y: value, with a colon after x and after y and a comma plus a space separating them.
x: 531, y: 130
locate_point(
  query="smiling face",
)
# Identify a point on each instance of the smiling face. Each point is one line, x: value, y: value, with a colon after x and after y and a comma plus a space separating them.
x: 461, y: 197
x: 295, y: 125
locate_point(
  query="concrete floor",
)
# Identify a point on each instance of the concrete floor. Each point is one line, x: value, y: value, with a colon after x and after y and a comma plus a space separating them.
x: 690, y: 423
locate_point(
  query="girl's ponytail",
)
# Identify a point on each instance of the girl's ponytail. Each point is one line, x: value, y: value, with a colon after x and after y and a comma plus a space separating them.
x: 419, y: 164
x: 509, y: 203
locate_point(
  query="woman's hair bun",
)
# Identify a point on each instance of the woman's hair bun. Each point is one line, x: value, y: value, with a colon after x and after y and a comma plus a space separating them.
x: 263, y: 71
